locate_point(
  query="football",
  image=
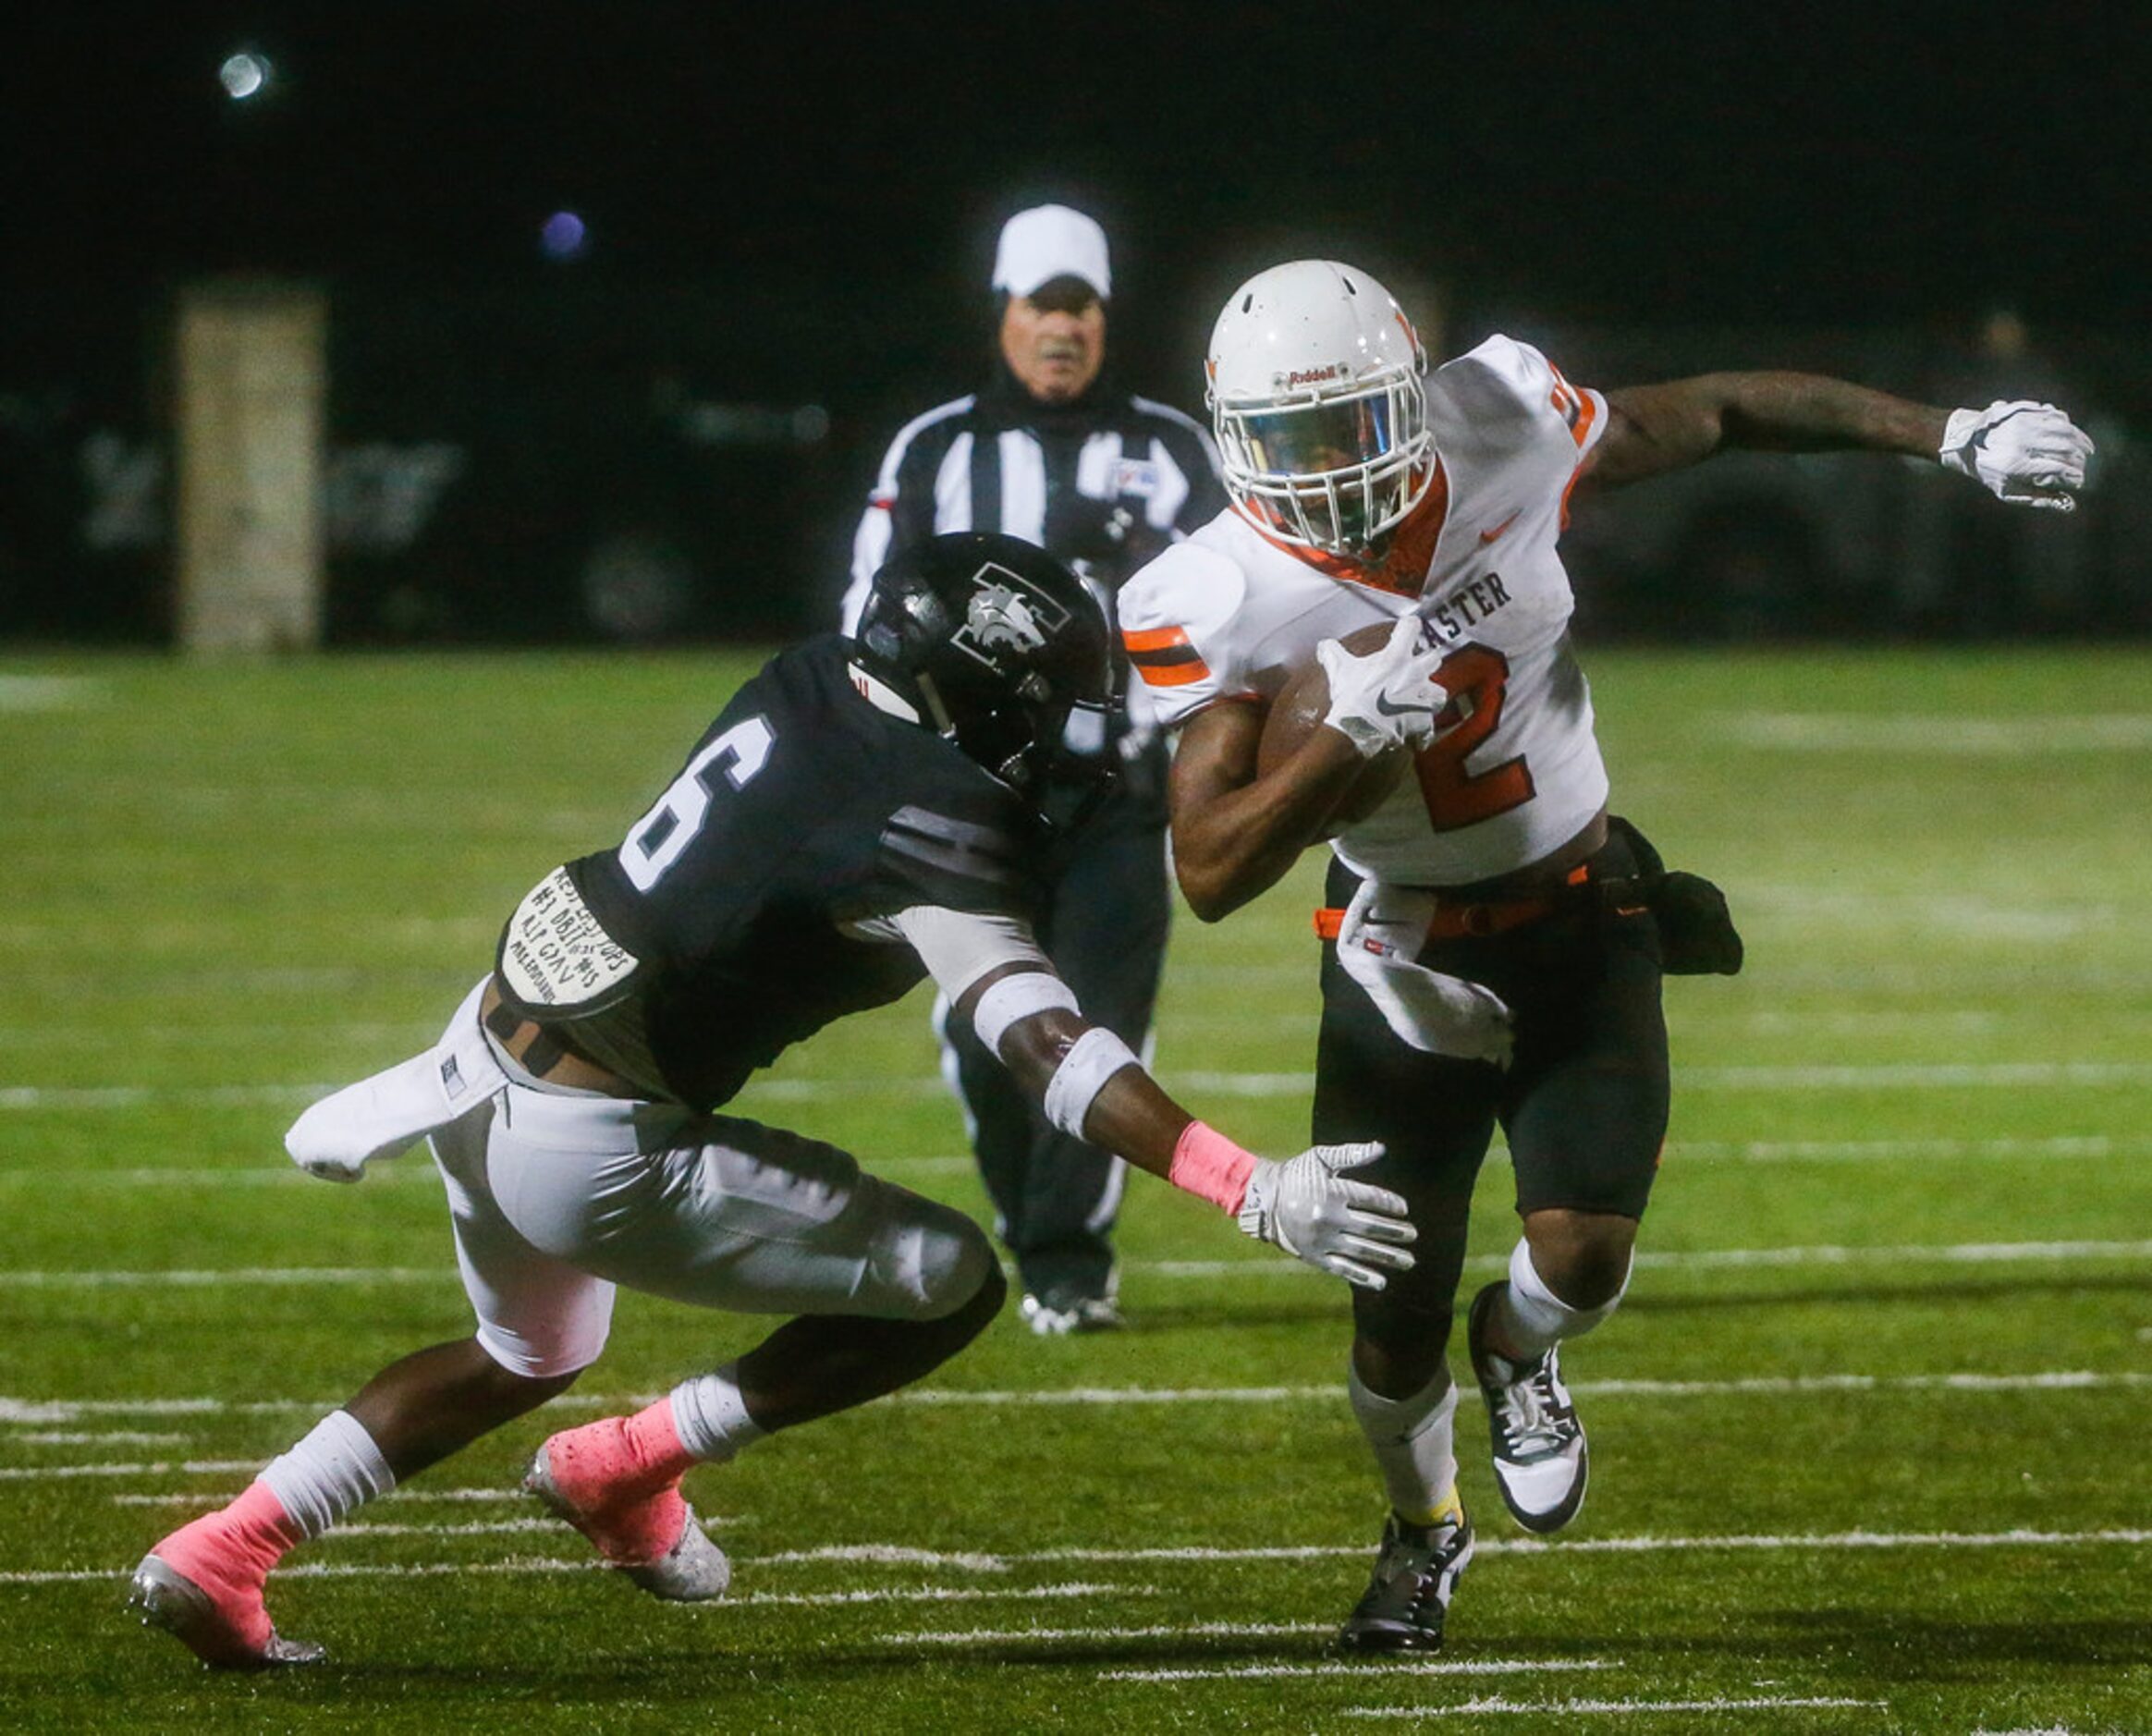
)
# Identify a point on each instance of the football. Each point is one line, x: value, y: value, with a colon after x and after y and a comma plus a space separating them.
x: 1298, y: 711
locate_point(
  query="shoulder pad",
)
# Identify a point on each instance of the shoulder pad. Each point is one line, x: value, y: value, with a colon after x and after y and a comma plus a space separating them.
x: 1504, y: 398
x: 1191, y: 586
x: 1175, y: 619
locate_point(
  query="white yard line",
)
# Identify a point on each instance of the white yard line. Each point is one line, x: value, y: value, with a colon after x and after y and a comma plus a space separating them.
x: 96, y: 1438
x: 942, y: 1594
x: 186, y: 1467
x: 1913, y: 1075
x: 1400, y: 1666
x: 2081, y: 1147
x: 1189, y: 1631
x: 877, y: 1553
x: 545, y: 1564
x: 197, y: 1280
x: 1880, y: 733
x: 1872, y: 1076
x: 1578, y: 1708
x: 2062, y: 1380
x: 217, y: 1497
x: 1082, y: 1554
x: 2067, y: 1147
x: 194, y: 1180
x: 1976, y: 1253
x: 420, y: 1173
x: 1971, y: 1252
x: 43, y: 1411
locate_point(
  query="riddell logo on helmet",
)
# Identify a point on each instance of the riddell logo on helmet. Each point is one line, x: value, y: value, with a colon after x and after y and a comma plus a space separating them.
x: 1310, y: 376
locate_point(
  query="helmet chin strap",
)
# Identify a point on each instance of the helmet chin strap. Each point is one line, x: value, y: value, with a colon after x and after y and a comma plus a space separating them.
x: 937, y: 712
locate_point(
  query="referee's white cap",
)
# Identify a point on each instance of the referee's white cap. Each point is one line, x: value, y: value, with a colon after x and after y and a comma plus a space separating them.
x: 1049, y: 241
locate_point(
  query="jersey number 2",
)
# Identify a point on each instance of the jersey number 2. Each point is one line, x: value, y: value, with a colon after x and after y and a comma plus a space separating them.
x: 1474, y: 676
x: 655, y: 841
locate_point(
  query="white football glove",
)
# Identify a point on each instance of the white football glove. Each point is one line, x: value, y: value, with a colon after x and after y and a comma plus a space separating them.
x: 1378, y: 943
x: 1351, y: 1229
x: 2028, y: 454
x: 1388, y: 698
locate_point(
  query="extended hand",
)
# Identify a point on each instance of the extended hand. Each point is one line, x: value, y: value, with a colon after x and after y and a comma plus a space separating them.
x: 1388, y: 698
x: 2028, y: 454
x: 1351, y: 1229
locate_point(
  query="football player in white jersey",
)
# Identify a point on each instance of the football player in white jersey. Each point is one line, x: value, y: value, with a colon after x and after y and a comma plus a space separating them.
x: 1499, y: 938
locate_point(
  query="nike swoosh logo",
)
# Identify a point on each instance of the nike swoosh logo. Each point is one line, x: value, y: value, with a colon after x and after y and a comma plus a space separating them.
x: 1494, y: 535
x: 1383, y: 705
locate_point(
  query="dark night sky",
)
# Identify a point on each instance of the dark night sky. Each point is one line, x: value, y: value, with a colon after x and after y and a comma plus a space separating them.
x: 1610, y: 163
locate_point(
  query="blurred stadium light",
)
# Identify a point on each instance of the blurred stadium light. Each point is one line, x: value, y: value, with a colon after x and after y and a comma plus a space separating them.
x: 244, y: 75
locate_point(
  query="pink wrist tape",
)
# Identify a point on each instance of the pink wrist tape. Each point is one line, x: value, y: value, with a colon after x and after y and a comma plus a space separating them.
x: 1208, y: 1165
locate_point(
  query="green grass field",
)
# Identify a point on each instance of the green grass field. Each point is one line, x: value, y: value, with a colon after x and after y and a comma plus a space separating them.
x: 1870, y: 1432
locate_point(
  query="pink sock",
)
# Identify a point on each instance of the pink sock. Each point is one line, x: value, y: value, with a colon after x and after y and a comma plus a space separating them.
x: 655, y: 1441
x: 228, y: 1554
x: 619, y: 1459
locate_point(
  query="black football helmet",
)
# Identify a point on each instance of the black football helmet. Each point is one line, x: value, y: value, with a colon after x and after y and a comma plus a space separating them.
x: 1000, y: 648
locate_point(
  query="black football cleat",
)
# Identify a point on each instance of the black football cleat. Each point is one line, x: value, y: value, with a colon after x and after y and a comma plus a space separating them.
x: 1408, y: 1596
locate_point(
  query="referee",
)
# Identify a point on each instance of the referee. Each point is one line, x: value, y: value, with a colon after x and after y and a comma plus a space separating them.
x: 1051, y: 450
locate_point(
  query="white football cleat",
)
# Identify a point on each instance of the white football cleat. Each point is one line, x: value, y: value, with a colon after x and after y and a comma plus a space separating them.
x: 1541, y: 1460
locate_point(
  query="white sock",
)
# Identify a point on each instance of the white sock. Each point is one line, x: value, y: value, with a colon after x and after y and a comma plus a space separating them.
x: 1413, y: 1443
x: 1532, y: 1319
x: 710, y: 1418
x: 330, y: 1473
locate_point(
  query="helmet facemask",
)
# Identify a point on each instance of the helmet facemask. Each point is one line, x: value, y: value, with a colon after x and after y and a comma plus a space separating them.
x: 1336, y: 472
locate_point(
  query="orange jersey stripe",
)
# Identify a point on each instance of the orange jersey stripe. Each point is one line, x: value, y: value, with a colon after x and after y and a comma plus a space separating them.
x: 1587, y: 413
x: 1174, y: 674
x: 1163, y: 656
x: 1154, y: 639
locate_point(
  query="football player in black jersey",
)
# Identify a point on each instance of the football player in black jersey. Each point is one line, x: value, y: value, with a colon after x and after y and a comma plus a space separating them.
x: 865, y: 813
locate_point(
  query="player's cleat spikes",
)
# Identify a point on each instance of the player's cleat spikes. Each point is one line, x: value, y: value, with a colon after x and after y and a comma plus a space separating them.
x: 1054, y: 1316
x: 586, y: 1476
x: 227, y: 1629
x: 1541, y: 1460
x: 1408, y: 1596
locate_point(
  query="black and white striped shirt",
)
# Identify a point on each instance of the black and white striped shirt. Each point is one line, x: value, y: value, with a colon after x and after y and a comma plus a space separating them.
x: 1103, y: 483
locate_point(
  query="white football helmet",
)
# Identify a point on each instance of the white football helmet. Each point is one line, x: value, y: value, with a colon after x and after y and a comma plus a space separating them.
x: 1317, y: 392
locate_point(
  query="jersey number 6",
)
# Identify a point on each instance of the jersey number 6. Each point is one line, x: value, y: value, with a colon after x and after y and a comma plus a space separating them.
x: 655, y: 841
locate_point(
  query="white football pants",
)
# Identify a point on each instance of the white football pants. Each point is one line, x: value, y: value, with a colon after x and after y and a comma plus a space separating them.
x: 560, y: 1197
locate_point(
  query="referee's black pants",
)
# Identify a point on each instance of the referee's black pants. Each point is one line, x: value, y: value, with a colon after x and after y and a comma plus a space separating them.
x: 1104, y: 925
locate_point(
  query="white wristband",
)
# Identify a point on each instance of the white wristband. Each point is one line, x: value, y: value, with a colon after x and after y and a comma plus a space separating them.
x: 1018, y: 995
x: 1092, y: 1059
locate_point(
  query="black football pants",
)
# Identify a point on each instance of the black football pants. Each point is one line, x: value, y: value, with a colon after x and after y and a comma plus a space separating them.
x: 1104, y: 925
x: 1583, y: 1104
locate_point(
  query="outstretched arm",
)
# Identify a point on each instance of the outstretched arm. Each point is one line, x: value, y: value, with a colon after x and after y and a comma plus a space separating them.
x: 1090, y: 1084
x: 1306, y: 1205
x: 1653, y: 429
x: 2026, y: 453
